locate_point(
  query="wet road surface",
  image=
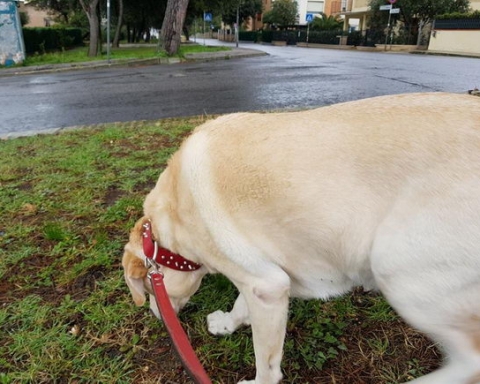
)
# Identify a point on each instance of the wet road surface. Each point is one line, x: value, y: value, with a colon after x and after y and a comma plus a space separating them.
x: 289, y: 77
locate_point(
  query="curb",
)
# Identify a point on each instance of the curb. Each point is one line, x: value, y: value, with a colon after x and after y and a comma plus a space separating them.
x: 225, y: 55
x: 201, y: 56
x: 442, y: 53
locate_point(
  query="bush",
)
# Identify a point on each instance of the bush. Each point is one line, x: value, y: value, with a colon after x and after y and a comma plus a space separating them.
x: 458, y: 15
x: 51, y: 39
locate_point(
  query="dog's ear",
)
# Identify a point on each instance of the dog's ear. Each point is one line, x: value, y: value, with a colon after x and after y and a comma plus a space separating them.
x: 135, y: 273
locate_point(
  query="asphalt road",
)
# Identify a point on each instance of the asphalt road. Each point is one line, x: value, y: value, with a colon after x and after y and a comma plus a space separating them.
x: 288, y: 78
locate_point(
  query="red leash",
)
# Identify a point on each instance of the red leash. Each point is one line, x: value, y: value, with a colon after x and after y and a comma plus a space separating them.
x: 177, y: 334
x: 157, y: 255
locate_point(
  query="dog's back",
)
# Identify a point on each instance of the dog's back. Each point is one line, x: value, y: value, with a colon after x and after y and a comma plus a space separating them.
x: 384, y: 192
x: 322, y: 181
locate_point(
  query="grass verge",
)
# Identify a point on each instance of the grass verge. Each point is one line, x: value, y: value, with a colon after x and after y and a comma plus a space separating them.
x: 68, y: 201
x: 79, y: 55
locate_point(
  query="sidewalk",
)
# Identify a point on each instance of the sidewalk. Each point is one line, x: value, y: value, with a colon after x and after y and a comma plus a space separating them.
x: 201, y: 56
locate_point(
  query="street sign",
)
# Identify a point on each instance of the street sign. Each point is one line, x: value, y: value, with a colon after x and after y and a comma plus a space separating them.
x: 309, y: 17
x: 395, y: 10
x: 386, y: 7
x: 207, y: 17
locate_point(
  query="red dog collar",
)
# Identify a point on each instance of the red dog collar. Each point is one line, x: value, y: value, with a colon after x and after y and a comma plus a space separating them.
x: 163, y: 256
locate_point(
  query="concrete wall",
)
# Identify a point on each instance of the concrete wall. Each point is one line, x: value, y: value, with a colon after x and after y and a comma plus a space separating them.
x: 12, y: 49
x: 475, y: 5
x: 360, y: 5
x: 37, y: 17
x: 309, y: 6
x: 455, y: 41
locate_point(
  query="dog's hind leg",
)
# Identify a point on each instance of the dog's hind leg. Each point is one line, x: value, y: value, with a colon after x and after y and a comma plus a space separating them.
x: 225, y: 323
x: 426, y: 261
x: 439, y: 297
x: 451, y: 319
x: 462, y: 363
x: 450, y: 316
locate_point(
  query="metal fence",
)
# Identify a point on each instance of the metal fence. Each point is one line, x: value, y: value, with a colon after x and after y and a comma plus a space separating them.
x: 467, y: 23
x: 400, y: 35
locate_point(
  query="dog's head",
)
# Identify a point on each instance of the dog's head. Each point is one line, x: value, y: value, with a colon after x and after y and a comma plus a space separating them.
x: 180, y: 285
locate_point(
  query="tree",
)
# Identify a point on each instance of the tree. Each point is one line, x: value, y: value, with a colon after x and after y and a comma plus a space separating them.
x: 283, y: 12
x: 170, y: 36
x: 419, y: 10
x: 118, y: 29
x: 90, y: 8
x: 24, y: 18
x: 142, y: 15
x: 246, y: 9
x: 326, y: 23
x: 416, y: 12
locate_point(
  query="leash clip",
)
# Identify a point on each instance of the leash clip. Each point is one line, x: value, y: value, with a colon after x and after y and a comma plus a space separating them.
x: 152, y: 266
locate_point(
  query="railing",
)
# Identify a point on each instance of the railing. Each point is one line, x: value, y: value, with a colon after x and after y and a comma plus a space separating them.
x: 369, y: 38
x: 467, y: 23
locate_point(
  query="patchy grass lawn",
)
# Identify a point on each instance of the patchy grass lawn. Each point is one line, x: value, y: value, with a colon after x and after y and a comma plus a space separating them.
x: 79, y: 55
x: 67, y: 204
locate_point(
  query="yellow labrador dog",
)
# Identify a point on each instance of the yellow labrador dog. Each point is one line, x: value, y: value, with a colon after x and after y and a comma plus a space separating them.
x: 382, y: 193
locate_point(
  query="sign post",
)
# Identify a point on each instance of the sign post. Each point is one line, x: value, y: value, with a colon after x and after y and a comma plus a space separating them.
x: 207, y: 16
x: 309, y: 19
x: 389, y: 7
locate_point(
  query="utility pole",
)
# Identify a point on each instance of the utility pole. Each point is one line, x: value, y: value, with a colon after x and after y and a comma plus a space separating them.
x: 108, y: 31
x: 237, y: 24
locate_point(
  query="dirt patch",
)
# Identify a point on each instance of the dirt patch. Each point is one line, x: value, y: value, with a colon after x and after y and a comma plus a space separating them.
x: 112, y: 195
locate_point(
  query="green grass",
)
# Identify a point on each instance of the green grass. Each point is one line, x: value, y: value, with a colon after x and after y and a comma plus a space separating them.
x: 68, y: 202
x: 78, y: 55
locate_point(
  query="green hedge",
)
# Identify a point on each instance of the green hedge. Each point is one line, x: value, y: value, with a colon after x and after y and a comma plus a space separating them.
x: 43, y: 40
x: 458, y: 15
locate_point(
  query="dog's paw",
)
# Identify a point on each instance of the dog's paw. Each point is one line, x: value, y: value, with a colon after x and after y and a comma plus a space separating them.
x: 246, y: 382
x: 221, y: 323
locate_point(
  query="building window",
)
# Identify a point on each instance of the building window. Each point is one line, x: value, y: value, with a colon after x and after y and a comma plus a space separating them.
x: 315, y: 6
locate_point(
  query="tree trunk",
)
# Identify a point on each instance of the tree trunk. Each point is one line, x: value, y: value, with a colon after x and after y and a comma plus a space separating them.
x: 116, y: 39
x: 172, y: 25
x: 421, y: 24
x: 147, y: 35
x: 90, y: 9
x: 129, y: 33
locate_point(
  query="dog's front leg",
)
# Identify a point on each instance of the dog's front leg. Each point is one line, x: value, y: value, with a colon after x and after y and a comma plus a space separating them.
x: 267, y: 303
x: 225, y: 323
